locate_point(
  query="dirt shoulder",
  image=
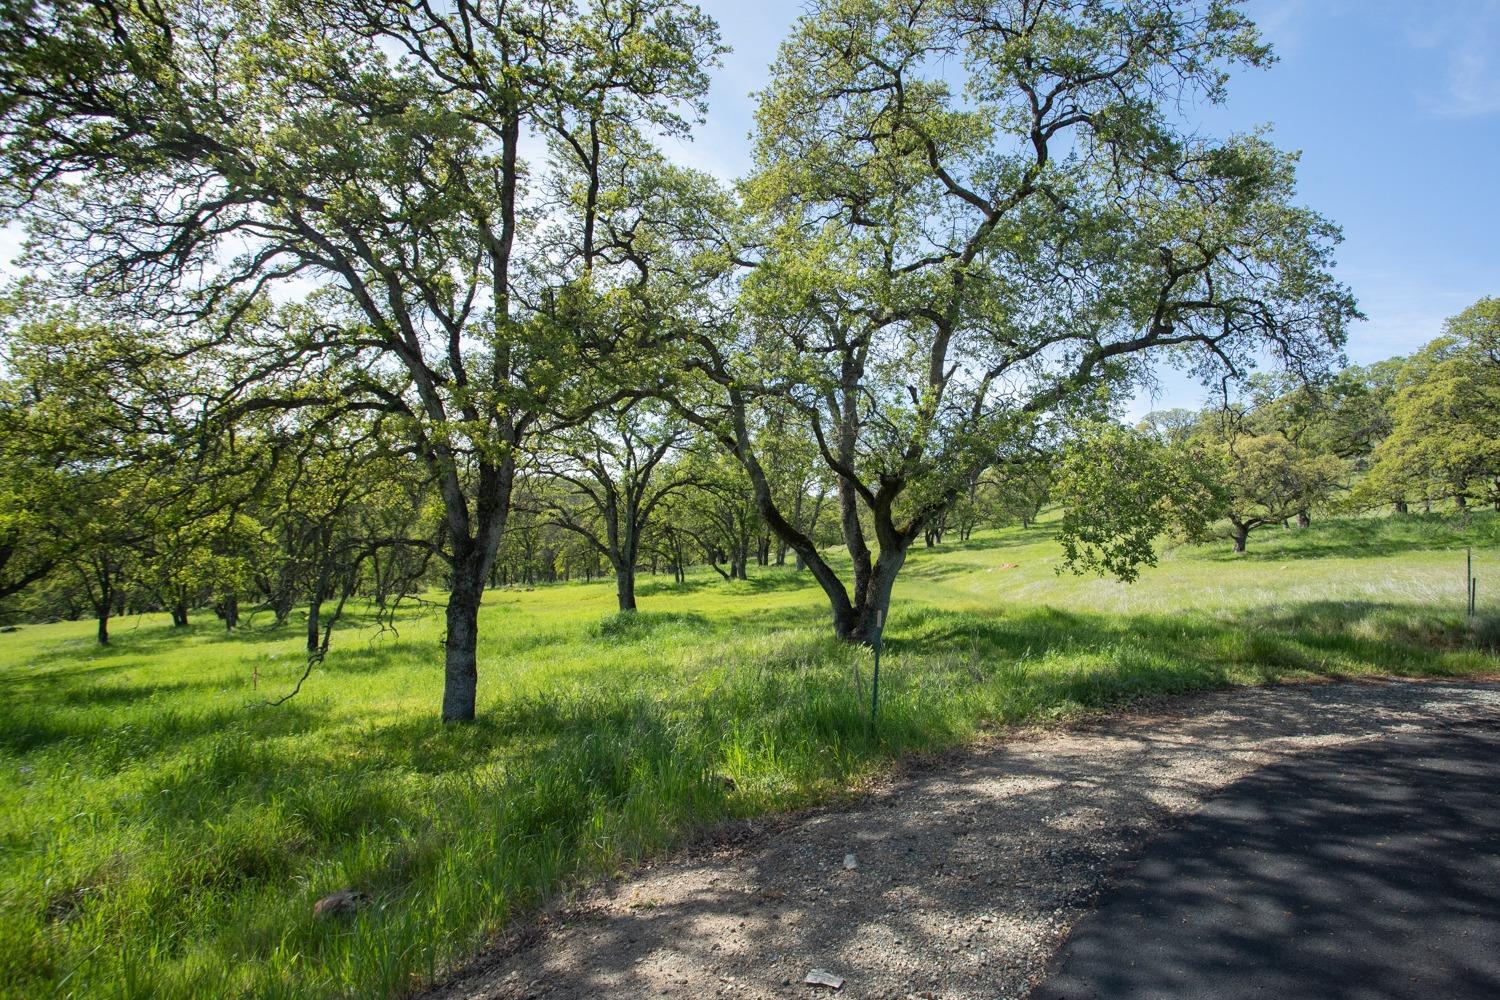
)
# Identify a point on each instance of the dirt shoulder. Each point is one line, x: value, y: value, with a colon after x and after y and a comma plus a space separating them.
x: 968, y: 871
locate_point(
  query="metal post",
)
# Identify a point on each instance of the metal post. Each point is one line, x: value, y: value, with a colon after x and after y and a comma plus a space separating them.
x: 1471, y: 585
x: 875, y: 684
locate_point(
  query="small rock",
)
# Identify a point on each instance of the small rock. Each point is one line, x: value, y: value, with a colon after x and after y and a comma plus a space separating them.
x: 341, y: 903
x: 851, y: 862
x: 822, y: 977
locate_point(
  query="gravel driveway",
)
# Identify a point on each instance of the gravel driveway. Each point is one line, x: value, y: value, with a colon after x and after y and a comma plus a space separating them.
x: 968, y: 870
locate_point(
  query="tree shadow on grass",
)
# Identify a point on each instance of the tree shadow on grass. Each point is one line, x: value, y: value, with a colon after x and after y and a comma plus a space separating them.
x: 131, y: 637
x: 1325, y: 638
x: 692, y: 585
x: 772, y: 579
x: 111, y: 695
x: 1011, y: 537
x: 146, y: 640
x: 1364, y: 538
x: 763, y: 580
x: 640, y: 625
x: 100, y: 741
x: 811, y: 615
x: 934, y: 570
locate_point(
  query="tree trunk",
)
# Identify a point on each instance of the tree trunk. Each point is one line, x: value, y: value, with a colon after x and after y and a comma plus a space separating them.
x: 867, y: 617
x: 1401, y: 507
x: 314, y: 620
x: 103, y: 606
x: 1241, y: 535
x: 1303, y: 520
x: 281, y: 606
x: 625, y: 586
x: 231, y: 612
x: 460, y: 666
x: 99, y: 586
x: 180, y: 613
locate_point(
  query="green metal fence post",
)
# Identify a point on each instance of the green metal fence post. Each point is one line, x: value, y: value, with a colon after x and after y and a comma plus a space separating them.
x: 1471, y: 584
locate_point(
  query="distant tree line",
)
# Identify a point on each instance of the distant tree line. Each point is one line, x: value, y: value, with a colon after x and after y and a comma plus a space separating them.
x: 1417, y: 433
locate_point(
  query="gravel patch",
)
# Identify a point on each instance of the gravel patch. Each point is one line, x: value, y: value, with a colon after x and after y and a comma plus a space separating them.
x: 968, y: 870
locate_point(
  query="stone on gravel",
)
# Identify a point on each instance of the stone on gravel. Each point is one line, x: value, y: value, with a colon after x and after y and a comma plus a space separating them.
x: 822, y: 977
x: 851, y: 862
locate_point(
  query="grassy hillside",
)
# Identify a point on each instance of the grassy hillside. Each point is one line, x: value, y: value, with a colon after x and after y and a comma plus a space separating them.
x: 163, y: 834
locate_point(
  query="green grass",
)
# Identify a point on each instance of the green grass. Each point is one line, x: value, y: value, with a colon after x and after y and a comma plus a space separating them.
x: 162, y: 835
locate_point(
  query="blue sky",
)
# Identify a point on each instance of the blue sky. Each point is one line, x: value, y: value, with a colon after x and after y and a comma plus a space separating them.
x: 1394, y: 104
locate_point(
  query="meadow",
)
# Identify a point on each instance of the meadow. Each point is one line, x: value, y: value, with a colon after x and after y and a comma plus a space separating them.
x: 164, y: 833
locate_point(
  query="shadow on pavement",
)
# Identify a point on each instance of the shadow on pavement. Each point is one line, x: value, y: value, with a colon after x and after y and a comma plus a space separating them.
x: 1361, y: 872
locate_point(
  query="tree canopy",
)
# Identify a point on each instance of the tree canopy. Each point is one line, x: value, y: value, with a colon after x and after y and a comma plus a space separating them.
x: 1444, y: 441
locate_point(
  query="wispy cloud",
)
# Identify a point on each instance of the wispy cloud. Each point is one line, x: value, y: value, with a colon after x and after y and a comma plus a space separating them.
x: 1467, y: 38
x: 1474, y: 77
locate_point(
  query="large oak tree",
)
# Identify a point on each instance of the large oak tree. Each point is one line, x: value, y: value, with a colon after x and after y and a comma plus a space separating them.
x: 966, y: 216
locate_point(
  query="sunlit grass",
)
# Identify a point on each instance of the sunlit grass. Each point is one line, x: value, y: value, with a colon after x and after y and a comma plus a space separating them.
x: 165, y: 834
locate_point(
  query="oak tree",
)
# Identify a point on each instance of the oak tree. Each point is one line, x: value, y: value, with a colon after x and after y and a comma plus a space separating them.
x: 965, y: 217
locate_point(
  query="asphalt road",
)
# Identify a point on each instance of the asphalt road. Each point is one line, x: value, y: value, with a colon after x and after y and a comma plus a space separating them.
x: 1369, y: 871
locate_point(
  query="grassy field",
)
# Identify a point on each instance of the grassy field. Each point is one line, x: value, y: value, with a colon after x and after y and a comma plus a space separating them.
x: 162, y: 834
